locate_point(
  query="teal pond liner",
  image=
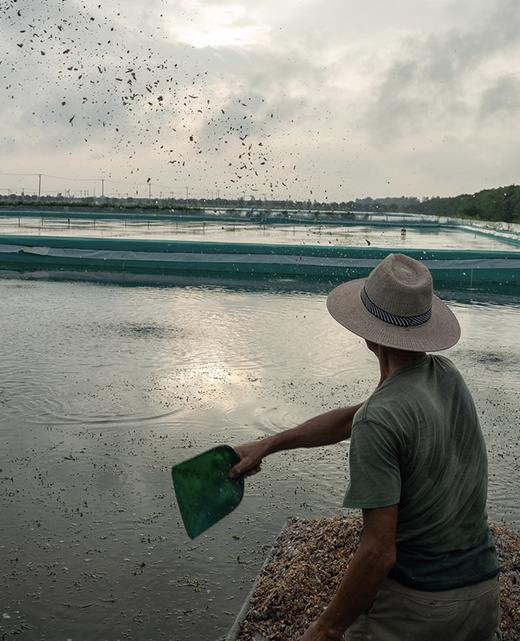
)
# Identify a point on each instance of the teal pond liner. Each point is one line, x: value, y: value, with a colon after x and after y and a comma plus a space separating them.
x: 466, y: 269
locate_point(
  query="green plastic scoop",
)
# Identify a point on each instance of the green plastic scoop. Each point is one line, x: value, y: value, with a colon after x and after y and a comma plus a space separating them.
x: 205, y: 494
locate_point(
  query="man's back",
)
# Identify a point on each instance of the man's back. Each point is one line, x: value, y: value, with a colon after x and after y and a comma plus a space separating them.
x: 417, y: 442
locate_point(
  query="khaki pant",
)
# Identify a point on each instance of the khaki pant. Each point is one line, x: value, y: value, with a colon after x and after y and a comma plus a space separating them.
x: 399, y: 613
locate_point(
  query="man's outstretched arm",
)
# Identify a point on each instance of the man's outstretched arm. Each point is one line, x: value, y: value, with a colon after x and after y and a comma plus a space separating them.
x: 325, y: 429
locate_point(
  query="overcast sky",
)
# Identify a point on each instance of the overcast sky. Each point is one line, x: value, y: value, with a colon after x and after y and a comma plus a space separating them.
x: 304, y: 99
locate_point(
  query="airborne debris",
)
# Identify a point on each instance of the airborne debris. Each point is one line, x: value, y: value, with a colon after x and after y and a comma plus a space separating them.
x: 138, y: 97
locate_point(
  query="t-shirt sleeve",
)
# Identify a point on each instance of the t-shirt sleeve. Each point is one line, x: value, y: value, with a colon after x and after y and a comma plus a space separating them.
x: 375, y: 477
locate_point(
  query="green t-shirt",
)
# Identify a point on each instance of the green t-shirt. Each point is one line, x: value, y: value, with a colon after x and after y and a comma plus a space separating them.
x: 417, y: 442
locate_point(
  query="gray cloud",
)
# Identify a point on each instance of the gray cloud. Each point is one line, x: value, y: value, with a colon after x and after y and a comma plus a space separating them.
x: 426, y: 87
x: 502, y: 98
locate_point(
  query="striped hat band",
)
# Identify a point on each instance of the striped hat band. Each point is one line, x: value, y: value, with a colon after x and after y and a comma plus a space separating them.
x: 393, y: 319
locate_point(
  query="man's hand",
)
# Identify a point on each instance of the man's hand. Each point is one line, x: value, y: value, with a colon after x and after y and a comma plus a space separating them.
x: 317, y: 632
x: 251, y: 455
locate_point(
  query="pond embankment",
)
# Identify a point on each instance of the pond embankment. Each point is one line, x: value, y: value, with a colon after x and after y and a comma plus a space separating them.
x: 305, y: 568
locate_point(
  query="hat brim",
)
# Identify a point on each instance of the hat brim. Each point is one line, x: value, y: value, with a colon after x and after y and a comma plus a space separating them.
x: 440, y: 332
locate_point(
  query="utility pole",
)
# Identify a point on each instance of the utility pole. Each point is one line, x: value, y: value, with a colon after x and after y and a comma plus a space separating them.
x: 39, y: 185
x: 150, y: 189
x: 102, y: 187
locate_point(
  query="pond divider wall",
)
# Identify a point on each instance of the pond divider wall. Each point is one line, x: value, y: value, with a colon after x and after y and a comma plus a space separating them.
x: 461, y: 268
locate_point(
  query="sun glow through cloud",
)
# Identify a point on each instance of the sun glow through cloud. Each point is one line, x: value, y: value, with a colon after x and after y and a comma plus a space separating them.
x: 222, y: 26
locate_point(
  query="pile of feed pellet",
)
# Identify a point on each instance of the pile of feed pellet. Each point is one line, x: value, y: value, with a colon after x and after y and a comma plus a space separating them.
x: 307, y: 564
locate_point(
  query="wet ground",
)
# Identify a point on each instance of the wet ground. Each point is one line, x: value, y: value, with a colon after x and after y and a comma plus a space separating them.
x: 357, y: 236
x: 103, y: 388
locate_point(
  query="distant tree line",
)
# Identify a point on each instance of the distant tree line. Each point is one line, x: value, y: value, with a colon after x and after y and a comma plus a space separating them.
x: 500, y: 204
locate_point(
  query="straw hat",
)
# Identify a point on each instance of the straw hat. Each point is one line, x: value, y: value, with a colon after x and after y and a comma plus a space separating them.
x: 395, y: 306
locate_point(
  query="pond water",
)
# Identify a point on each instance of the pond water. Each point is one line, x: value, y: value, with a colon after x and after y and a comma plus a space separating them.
x: 357, y: 236
x: 103, y: 388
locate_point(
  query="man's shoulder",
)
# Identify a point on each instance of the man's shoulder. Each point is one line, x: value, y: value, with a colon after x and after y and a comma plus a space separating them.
x: 442, y: 361
x: 402, y: 396
x: 447, y: 367
x: 378, y: 411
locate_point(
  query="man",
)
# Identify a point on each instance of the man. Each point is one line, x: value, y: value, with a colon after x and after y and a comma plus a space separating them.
x: 426, y: 567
